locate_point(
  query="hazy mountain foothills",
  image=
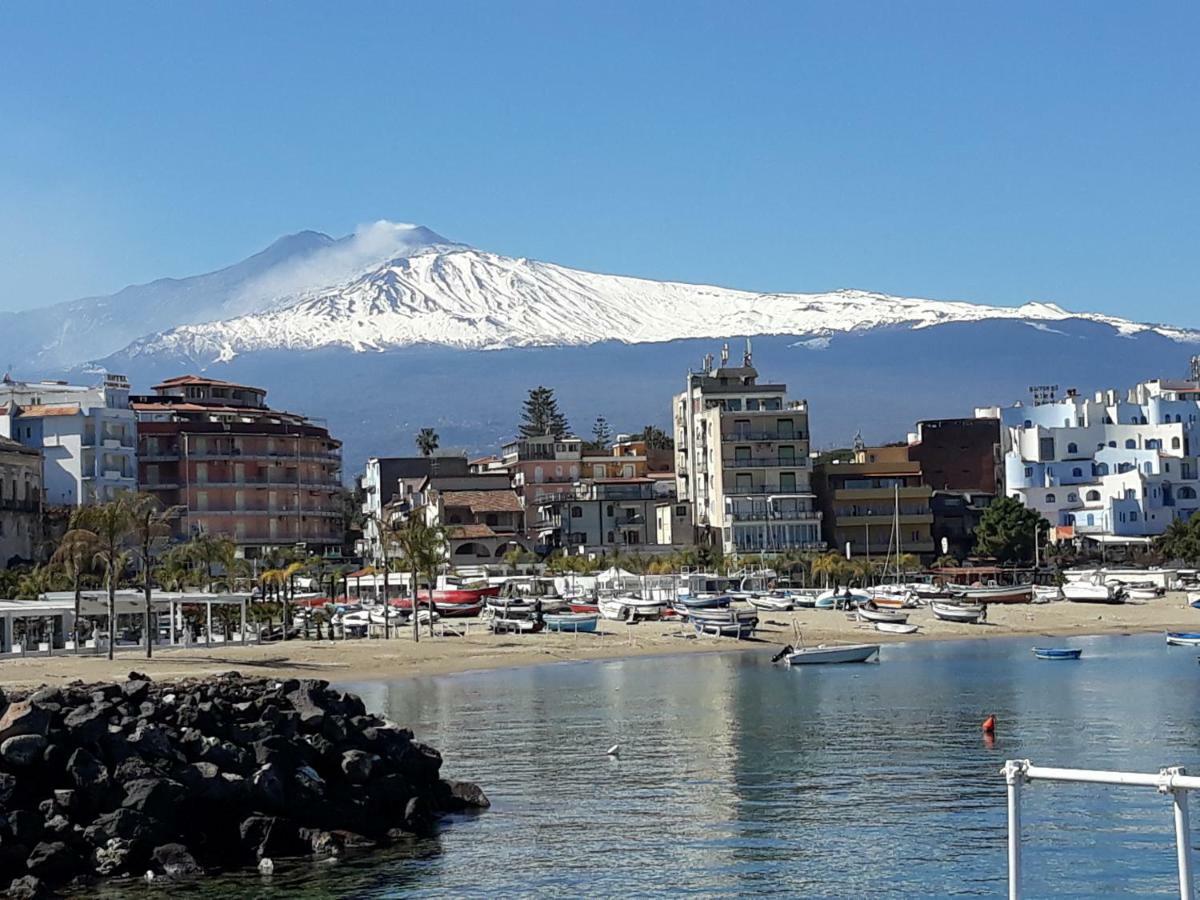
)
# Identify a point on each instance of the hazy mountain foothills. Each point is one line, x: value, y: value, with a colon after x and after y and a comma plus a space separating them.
x: 396, y: 327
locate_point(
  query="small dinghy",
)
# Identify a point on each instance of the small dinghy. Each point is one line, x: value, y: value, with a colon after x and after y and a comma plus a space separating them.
x: 1184, y: 638
x: 828, y: 653
x: 569, y: 622
x: 734, y: 623
x: 954, y: 612
x: 772, y: 602
x: 1057, y: 652
x: 869, y: 612
x: 895, y: 627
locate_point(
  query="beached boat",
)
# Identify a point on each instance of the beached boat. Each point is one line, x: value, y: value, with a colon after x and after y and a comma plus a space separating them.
x: 630, y: 606
x: 1057, y: 652
x: 892, y: 596
x: 516, y: 625
x: 829, y: 653
x: 803, y: 597
x: 451, y: 610
x: 925, y: 591
x: 1184, y: 638
x: 999, y: 593
x: 869, y: 612
x: 584, y: 606
x: 735, y: 623
x: 956, y: 612
x: 896, y: 627
x: 845, y: 597
x: 780, y: 602
x: 1194, y: 601
x: 1093, y: 592
x: 585, y: 622
x: 1043, y: 593
x: 1143, y: 591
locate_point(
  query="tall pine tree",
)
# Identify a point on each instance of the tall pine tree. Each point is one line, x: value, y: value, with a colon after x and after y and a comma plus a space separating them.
x: 601, y: 434
x: 540, y: 415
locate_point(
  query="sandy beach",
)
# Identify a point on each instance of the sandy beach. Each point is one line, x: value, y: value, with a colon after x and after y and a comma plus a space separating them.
x: 378, y: 659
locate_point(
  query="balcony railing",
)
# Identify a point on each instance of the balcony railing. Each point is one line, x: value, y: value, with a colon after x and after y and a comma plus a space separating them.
x: 773, y: 435
x: 765, y: 463
x: 768, y: 489
x: 775, y: 515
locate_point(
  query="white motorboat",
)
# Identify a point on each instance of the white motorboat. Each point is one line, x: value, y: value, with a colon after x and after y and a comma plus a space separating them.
x: 735, y: 623
x: 829, y: 653
x: 1143, y: 591
x: 896, y: 627
x: 844, y: 597
x: 1093, y: 592
x: 892, y: 596
x: 956, y: 612
x: 624, y: 607
x: 868, y: 612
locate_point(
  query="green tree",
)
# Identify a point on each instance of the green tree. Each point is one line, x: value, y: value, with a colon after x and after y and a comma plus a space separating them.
x: 150, y: 523
x: 540, y: 414
x: 112, y: 523
x: 427, y: 441
x: 656, y: 438
x: 1181, y: 541
x: 601, y: 434
x: 74, y: 556
x: 1006, y: 531
x: 418, y: 546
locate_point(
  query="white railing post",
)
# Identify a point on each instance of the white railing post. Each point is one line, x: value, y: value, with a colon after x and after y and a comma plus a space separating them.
x: 1014, y: 776
x: 1183, y: 831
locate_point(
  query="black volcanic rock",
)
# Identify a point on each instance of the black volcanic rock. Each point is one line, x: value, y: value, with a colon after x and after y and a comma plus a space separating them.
x: 114, y: 779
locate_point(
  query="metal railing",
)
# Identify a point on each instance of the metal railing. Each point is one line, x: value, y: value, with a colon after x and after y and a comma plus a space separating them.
x: 1172, y: 780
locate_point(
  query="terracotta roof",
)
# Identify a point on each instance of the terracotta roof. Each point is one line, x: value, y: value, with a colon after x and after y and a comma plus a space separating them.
x: 49, y: 410
x: 456, y: 532
x: 196, y: 379
x: 483, y: 501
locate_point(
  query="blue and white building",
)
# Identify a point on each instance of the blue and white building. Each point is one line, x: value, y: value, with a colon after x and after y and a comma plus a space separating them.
x: 87, y: 436
x: 1108, y: 468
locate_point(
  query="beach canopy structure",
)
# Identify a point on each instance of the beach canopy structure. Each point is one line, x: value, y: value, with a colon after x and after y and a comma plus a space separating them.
x: 48, y: 623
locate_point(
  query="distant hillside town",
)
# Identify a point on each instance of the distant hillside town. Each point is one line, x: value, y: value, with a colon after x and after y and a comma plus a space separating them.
x: 737, y: 475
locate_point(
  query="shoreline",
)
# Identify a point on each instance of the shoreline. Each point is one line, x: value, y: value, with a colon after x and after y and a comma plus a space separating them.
x: 399, y: 658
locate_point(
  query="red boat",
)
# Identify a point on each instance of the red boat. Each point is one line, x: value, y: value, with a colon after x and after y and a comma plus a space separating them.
x: 450, y: 609
x: 585, y: 607
x: 449, y: 596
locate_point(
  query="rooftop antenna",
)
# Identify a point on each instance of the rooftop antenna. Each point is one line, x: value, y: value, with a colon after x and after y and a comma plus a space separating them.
x: 1195, y: 367
x: 749, y: 356
x: 859, y: 443
x: 725, y: 354
x: 708, y: 361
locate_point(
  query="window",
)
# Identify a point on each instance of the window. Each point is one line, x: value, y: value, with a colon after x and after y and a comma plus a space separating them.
x: 1175, y: 443
x: 1072, y: 498
x: 680, y: 511
x: 1050, y: 498
x: 1133, y: 517
x: 752, y: 405
x: 787, y: 482
x: 916, y: 536
x: 1029, y: 471
x: 1130, y: 444
x: 1072, y: 448
x: 1028, y: 423
x: 786, y: 429
x: 1186, y: 493
x: 1077, y: 472
x: 1093, y: 495
x: 576, y: 512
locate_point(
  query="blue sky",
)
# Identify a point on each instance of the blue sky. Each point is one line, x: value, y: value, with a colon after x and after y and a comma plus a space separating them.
x: 996, y: 153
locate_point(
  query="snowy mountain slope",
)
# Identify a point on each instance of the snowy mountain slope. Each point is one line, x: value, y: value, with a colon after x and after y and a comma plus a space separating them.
x: 77, y: 330
x: 466, y: 298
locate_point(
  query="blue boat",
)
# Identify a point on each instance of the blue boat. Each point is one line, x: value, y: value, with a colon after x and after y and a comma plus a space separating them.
x: 576, y: 622
x: 1057, y: 652
x: 1184, y: 638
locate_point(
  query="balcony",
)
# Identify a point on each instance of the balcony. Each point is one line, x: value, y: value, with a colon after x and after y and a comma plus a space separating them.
x: 774, y: 515
x: 767, y: 489
x: 765, y: 463
x: 774, y: 435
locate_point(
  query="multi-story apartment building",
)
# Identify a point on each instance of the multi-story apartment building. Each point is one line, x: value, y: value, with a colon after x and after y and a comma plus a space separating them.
x: 859, y: 499
x: 236, y: 467
x: 543, y: 465
x: 386, y: 478
x: 602, y: 514
x: 1107, y: 468
x: 20, y: 502
x: 87, y: 436
x: 958, y: 454
x: 742, y: 460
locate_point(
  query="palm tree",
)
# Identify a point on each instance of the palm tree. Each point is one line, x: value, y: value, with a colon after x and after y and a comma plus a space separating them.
x: 111, y: 522
x: 427, y: 441
x: 287, y: 577
x: 209, y: 549
x: 830, y: 565
x: 151, y: 525
x: 432, y: 556
x: 75, y: 555
x: 417, y: 543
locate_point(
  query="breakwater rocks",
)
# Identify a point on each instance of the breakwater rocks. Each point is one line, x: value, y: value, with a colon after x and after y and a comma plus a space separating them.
x: 185, y: 777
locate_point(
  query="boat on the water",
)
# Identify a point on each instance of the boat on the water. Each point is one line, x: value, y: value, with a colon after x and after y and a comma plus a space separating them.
x: 895, y: 627
x: 1057, y: 652
x: 829, y: 653
x: 1184, y: 638
x: 869, y: 612
x: 956, y: 612
x: 572, y: 621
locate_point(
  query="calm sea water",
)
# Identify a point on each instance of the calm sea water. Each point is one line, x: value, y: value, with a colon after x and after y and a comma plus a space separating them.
x: 736, y: 776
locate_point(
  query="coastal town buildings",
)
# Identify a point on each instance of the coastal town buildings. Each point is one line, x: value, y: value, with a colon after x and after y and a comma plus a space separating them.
x: 1109, y: 468
x: 542, y: 465
x: 264, y: 477
x: 87, y: 436
x: 604, y: 514
x: 859, y: 500
x: 20, y: 503
x: 742, y: 460
x: 385, y: 477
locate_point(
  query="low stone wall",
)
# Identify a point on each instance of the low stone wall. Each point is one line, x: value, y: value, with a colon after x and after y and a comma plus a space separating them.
x: 184, y: 777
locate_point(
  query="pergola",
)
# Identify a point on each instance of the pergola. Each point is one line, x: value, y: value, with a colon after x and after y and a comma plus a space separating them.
x: 58, y: 607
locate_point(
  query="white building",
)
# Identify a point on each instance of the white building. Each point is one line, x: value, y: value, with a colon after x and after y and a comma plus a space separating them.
x: 87, y: 436
x: 742, y: 460
x: 1106, y: 467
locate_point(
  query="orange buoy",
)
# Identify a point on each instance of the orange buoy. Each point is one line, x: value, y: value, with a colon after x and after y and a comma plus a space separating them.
x: 989, y: 724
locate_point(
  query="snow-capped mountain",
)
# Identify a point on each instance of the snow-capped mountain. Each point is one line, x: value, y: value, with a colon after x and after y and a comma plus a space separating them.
x: 67, y: 333
x: 467, y: 298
